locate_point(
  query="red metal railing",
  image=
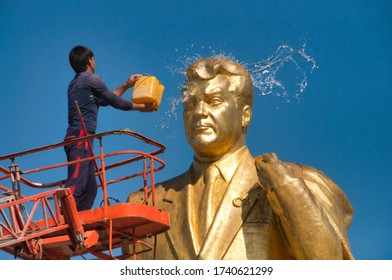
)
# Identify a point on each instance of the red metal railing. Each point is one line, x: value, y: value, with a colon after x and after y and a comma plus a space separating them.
x: 53, y: 213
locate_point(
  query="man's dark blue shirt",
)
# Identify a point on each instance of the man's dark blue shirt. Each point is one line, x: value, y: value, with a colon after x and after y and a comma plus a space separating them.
x: 90, y: 92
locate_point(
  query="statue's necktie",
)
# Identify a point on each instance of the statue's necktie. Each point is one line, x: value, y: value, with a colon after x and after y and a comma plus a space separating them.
x: 209, y: 199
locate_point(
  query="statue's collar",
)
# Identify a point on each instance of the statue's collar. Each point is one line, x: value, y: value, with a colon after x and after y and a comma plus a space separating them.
x: 226, y: 164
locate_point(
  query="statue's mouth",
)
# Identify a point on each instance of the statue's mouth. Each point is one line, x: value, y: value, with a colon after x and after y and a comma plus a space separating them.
x: 202, y: 127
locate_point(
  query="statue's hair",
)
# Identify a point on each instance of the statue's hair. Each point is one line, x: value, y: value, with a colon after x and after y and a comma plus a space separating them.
x: 209, y: 68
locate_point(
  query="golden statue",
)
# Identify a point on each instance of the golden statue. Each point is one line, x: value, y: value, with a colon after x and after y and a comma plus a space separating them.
x: 231, y: 205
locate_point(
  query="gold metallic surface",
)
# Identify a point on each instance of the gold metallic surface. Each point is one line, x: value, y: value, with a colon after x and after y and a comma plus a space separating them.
x: 231, y: 205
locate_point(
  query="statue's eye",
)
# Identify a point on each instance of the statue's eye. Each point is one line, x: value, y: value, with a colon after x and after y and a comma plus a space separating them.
x: 215, y: 101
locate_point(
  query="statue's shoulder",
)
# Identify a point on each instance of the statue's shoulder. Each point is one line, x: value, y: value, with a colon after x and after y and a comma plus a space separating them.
x: 321, y: 184
x: 305, y: 172
x: 327, y: 192
x: 174, y: 184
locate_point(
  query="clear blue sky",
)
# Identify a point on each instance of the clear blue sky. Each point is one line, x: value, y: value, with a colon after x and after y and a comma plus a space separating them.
x: 341, y: 123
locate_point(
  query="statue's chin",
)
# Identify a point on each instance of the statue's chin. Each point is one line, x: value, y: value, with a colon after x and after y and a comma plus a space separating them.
x: 211, y: 147
x: 207, y: 152
x: 202, y: 142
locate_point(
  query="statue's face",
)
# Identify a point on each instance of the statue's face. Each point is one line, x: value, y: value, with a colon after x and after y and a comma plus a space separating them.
x: 212, y: 119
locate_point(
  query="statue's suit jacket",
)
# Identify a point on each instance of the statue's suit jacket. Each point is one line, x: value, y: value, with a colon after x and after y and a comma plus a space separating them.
x: 245, y: 226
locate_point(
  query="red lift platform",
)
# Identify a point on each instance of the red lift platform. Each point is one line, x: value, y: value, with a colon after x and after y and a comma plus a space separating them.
x: 46, y: 225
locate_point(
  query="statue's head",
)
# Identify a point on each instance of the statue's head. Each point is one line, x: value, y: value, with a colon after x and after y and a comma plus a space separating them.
x: 218, y: 99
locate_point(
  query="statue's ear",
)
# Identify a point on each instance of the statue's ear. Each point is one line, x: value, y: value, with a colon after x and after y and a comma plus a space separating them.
x: 246, y: 116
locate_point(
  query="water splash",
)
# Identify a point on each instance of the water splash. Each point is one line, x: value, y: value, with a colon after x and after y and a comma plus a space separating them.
x: 170, y: 113
x: 183, y: 61
x: 265, y: 72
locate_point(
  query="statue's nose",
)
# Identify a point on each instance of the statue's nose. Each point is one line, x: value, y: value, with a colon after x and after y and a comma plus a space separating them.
x: 201, y: 109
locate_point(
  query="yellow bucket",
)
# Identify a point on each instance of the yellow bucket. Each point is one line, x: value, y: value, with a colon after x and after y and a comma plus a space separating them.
x: 148, y: 89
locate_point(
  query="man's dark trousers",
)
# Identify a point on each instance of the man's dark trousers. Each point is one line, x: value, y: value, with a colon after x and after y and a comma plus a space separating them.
x: 81, y: 176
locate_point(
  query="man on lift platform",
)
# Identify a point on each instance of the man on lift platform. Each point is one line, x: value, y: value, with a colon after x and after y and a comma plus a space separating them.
x: 90, y: 92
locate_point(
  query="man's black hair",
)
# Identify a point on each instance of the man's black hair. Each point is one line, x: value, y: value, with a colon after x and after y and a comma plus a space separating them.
x: 79, y: 58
